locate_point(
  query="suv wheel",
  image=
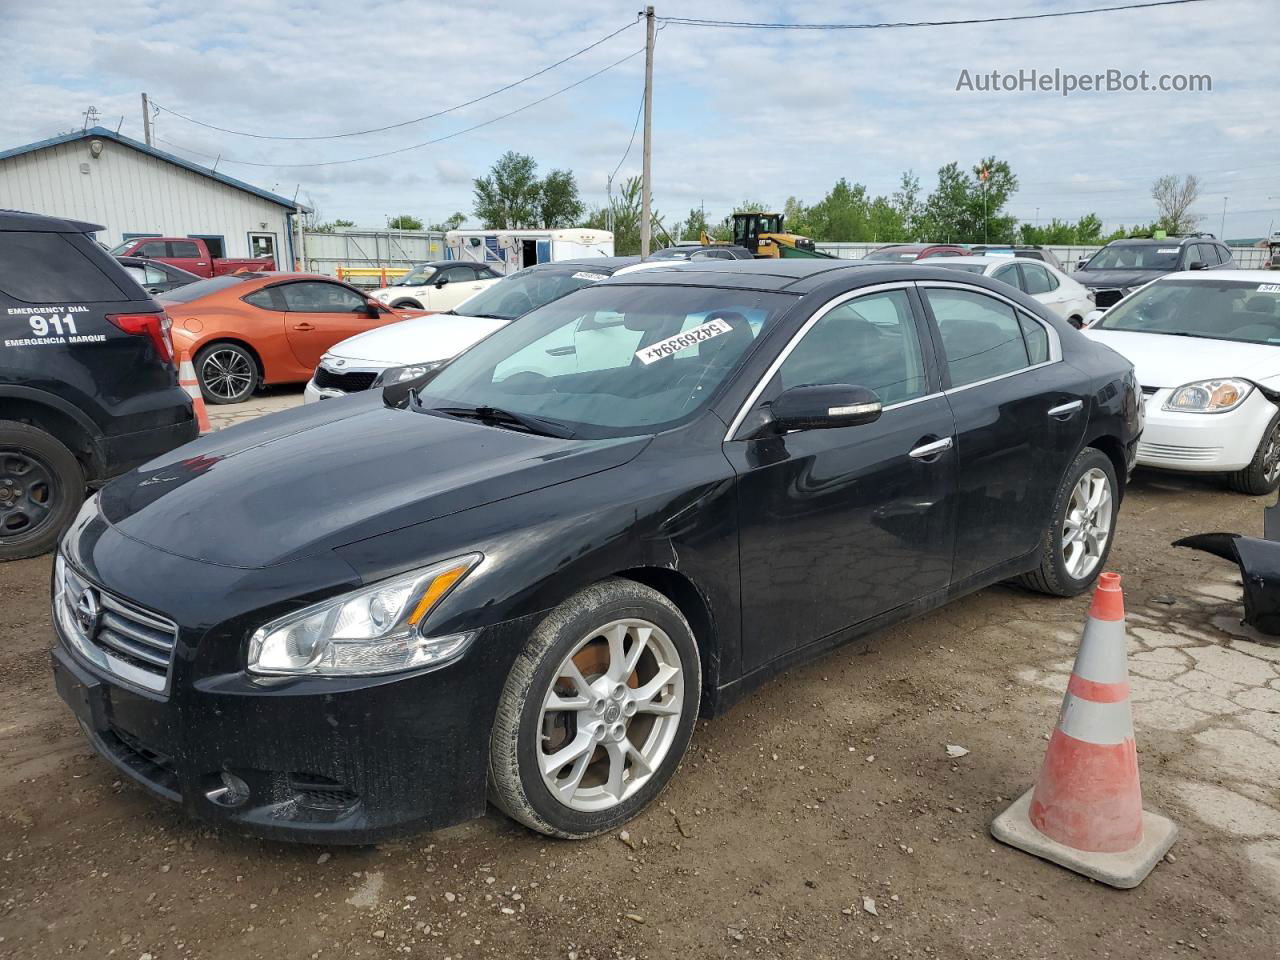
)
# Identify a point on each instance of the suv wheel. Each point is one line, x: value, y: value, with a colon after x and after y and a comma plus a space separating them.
x: 596, y: 712
x: 1079, y: 536
x: 227, y: 373
x: 1262, y: 475
x: 41, y: 488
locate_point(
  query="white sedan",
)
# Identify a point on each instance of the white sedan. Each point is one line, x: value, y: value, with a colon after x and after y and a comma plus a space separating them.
x: 438, y: 286
x: 1206, y: 349
x: 1053, y: 288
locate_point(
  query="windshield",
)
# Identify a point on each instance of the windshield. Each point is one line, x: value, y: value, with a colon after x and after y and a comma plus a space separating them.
x: 201, y: 288
x: 611, y: 361
x: 672, y: 253
x: 120, y: 248
x: 1246, y: 311
x: 418, y: 275
x: 527, y: 290
x: 1135, y: 256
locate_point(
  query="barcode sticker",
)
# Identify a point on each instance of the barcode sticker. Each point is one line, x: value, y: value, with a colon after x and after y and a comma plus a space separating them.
x: 593, y: 277
x: 682, y: 341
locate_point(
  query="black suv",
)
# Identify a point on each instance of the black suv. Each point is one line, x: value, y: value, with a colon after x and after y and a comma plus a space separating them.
x: 1123, y: 265
x: 88, y: 385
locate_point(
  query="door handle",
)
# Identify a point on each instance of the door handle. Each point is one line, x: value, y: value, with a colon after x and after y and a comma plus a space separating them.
x: 304, y: 326
x: 1064, y: 410
x: 926, y: 450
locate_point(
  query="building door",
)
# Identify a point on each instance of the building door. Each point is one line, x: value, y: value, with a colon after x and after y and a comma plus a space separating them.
x: 263, y: 245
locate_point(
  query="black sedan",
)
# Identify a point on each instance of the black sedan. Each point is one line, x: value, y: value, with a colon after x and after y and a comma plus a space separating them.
x: 525, y: 576
x: 156, y: 277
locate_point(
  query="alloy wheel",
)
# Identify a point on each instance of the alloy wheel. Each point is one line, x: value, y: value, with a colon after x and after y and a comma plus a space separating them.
x: 611, y: 715
x: 227, y: 374
x: 1086, y: 528
x: 1271, y: 456
x: 27, y: 493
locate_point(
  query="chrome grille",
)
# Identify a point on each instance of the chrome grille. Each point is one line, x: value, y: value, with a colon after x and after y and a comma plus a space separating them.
x: 118, y: 636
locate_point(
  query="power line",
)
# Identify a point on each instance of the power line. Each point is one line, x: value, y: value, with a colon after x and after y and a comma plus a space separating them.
x: 755, y: 25
x: 425, y: 143
x: 402, y: 123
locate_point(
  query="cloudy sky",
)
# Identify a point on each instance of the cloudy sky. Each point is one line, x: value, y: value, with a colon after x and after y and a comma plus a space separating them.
x: 737, y: 113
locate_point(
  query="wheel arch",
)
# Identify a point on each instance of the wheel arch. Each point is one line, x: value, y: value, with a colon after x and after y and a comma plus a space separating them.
x: 409, y: 303
x: 1114, y: 450
x: 59, y: 419
x: 684, y: 593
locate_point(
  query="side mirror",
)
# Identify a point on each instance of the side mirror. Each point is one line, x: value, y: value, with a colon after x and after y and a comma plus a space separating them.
x: 1091, y: 317
x: 1196, y: 265
x: 373, y: 308
x: 441, y: 282
x: 824, y: 407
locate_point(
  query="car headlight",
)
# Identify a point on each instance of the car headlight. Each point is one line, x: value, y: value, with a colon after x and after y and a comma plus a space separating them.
x: 374, y: 630
x: 1209, y: 396
x: 412, y: 371
x: 384, y: 297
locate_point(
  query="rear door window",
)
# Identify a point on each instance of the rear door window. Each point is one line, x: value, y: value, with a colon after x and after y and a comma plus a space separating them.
x: 185, y: 249
x: 1010, y: 276
x: 1036, y: 279
x: 981, y: 335
x: 48, y: 268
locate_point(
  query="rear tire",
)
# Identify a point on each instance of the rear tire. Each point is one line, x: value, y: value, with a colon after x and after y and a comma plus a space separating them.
x: 41, y: 489
x: 227, y: 373
x: 1064, y: 570
x: 1262, y: 475
x: 609, y: 681
x: 406, y: 305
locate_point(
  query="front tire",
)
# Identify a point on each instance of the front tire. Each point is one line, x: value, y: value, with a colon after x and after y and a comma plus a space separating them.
x: 227, y: 373
x: 1080, y: 532
x: 406, y: 305
x: 1262, y: 475
x: 596, y: 713
x: 41, y: 488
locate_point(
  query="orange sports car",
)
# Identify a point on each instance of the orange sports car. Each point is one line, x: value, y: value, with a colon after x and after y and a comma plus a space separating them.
x: 248, y: 329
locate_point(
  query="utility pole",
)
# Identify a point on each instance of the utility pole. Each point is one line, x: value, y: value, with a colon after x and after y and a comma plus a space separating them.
x: 646, y: 211
x: 1222, y: 230
x: 146, y: 120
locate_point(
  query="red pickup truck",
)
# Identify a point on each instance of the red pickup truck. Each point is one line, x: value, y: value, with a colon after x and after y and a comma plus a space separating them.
x: 189, y: 253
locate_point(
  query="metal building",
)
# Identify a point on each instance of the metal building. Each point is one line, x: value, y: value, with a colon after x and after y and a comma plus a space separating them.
x: 136, y: 191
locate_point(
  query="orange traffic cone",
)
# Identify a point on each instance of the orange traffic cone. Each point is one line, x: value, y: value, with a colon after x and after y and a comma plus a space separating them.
x: 187, y: 380
x: 1085, y: 812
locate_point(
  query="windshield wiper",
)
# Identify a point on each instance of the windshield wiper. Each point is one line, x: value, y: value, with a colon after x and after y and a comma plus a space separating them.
x: 506, y: 418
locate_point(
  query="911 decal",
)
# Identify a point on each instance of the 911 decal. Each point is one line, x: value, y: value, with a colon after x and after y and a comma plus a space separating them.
x: 53, y: 328
x: 682, y: 341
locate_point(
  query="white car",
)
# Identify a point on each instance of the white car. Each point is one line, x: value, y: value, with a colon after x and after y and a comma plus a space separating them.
x: 403, y: 351
x: 1070, y: 300
x: 1205, y: 345
x: 438, y: 286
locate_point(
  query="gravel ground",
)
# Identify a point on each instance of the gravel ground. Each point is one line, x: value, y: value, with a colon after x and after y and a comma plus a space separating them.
x: 820, y: 818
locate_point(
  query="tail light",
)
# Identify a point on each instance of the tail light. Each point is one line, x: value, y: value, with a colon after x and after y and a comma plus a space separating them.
x: 153, y: 325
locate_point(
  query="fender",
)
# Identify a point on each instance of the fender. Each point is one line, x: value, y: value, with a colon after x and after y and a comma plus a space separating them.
x: 45, y: 399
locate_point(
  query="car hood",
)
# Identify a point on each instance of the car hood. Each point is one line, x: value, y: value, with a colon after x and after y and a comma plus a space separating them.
x: 1114, y: 278
x: 437, y: 336
x: 329, y: 474
x: 1160, y: 360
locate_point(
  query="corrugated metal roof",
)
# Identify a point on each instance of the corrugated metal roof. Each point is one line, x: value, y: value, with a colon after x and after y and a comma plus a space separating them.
x: 102, y: 133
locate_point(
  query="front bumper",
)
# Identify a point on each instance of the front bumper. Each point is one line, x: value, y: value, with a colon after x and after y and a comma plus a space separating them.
x: 319, y: 760
x: 330, y: 381
x: 1203, y: 442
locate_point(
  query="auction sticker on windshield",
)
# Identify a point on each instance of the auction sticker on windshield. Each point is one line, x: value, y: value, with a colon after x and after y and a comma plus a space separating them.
x: 681, y: 341
x: 1269, y: 288
x: 593, y: 277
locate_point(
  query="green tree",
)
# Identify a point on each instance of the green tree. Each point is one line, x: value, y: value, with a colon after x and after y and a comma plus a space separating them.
x: 694, y: 225
x: 906, y: 201
x: 452, y: 222
x: 623, y: 218
x: 559, y: 203
x: 404, y: 222
x: 796, y: 216
x: 969, y: 208
x: 1174, y: 199
x: 510, y: 197
x: 841, y: 216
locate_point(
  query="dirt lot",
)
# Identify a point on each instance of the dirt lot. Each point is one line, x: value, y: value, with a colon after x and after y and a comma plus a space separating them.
x: 829, y: 786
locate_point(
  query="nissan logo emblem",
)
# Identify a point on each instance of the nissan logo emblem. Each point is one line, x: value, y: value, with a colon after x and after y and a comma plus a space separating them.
x: 88, y: 612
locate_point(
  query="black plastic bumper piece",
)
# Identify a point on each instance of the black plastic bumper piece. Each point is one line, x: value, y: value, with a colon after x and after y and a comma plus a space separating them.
x: 1259, y: 562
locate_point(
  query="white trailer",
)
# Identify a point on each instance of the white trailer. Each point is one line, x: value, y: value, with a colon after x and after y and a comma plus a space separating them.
x: 510, y: 250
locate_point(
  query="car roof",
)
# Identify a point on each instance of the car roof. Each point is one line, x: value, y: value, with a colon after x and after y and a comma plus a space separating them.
x: 596, y: 264
x: 1146, y: 241
x: 38, y: 223
x: 797, y: 276
x: 984, y: 260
